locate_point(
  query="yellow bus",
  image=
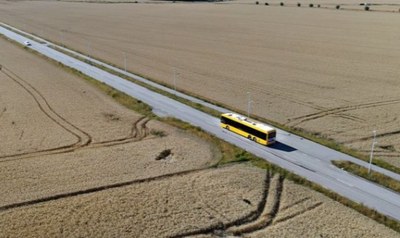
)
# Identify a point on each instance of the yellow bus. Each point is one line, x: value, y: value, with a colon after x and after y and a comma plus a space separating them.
x: 252, y: 130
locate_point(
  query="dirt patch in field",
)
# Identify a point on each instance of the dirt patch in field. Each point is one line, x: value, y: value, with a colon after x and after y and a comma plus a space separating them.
x: 329, y: 72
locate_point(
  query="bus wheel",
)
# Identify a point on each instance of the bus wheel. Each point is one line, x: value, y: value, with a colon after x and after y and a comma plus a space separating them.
x: 249, y: 137
x: 254, y: 139
x: 227, y: 127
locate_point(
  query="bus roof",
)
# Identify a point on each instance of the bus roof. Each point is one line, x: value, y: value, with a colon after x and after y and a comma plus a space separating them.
x: 247, y: 122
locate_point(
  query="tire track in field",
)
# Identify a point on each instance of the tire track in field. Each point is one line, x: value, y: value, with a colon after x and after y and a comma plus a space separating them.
x: 82, y: 137
x: 381, y: 151
x: 295, y: 203
x: 268, y: 214
x: 138, y: 132
x: 96, y: 189
x: 277, y: 92
x: 295, y: 214
x: 339, y: 110
x: 379, y: 135
x: 222, y: 229
x: 265, y: 216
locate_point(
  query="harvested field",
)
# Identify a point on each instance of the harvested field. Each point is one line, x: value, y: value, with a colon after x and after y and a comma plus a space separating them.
x: 114, y: 183
x: 333, y: 73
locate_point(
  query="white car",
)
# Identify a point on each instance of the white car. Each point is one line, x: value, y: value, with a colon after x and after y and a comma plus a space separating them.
x: 27, y: 43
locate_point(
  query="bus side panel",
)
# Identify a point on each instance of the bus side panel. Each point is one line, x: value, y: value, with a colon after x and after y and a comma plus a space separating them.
x: 244, y: 134
x: 261, y: 141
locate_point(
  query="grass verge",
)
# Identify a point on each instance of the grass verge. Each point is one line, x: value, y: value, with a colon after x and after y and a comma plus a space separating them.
x: 145, y: 85
x: 313, y: 136
x: 23, y: 34
x: 385, y: 220
x: 229, y: 153
x: 375, y: 177
x: 233, y: 154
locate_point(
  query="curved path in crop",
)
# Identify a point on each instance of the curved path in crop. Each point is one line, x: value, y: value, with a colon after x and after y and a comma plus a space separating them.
x: 296, y: 154
x: 138, y: 130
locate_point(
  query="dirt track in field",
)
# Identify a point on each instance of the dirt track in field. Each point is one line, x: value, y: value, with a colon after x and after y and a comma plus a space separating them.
x: 331, y: 72
x: 236, y: 200
x: 76, y: 163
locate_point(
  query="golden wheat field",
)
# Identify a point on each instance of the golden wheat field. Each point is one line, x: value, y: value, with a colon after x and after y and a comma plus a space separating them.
x: 381, y: 6
x: 63, y: 135
x: 334, y: 73
x: 78, y: 164
x: 228, y: 201
x: 291, y: 210
x: 297, y: 205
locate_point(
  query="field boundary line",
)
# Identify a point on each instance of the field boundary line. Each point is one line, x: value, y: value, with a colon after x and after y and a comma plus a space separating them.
x: 98, y: 189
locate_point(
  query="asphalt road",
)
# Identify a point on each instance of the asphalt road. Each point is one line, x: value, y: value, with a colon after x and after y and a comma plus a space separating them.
x: 296, y: 154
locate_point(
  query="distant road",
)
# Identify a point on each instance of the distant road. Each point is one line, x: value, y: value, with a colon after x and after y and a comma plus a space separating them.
x: 296, y: 154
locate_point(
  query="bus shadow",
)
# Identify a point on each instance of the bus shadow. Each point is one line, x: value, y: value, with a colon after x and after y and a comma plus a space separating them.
x: 280, y: 146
